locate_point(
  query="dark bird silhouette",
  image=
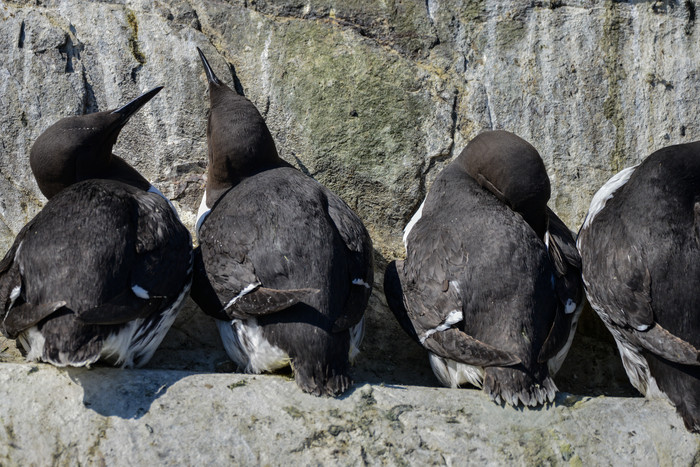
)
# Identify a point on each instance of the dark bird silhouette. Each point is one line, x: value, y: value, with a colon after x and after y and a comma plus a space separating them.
x: 491, y: 281
x: 640, y: 249
x: 103, y: 269
x: 284, y: 265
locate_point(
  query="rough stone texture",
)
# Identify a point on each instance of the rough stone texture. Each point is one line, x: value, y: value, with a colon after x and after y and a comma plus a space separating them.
x: 155, y: 417
x: 372, y: 99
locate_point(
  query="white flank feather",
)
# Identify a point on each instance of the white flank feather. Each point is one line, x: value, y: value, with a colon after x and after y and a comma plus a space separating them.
x: 359, y: 281
x: 357, y: 333
x: 249, y: 288
x: 15, y: 293
x: 140, y: 292
x: 453, y: 317
x: 606, y: 192
x: 416, y: 217
x: 123, y: 347
x: 454, y: 374
x: 202, y: 213
x: 247, y: 347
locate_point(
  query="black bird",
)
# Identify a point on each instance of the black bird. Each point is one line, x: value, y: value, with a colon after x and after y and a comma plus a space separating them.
x: 284, y: 265
x: 491, y: 281
x: 103, y: 269
x: 640, y: 249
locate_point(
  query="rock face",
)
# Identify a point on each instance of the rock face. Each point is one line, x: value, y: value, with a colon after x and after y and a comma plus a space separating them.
x: 155, y: 417
x: 372, y: 99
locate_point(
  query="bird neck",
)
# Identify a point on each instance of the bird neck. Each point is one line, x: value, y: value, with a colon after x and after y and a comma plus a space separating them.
x: 121, y: 171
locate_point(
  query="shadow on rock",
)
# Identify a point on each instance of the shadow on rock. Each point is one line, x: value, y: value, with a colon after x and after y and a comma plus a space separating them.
x: 127, y: 394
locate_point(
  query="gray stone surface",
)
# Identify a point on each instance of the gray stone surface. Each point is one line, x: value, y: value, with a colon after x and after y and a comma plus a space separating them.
x: 371, y: 99
x: 106, y: 416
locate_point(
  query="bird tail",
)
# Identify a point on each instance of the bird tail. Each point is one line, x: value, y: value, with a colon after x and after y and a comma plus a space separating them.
x: 515, y: 386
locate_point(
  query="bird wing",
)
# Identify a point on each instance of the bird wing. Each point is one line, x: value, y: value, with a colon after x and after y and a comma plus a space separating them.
x: 396, y: 300
x: 461, y: 347
x: 226, y: 287
x: 122, y: 308
x: 434, y: 303
x: 669, y: 346
x: 17, y: 314
x: 622, y: 281
x: 359, y: 258
x: 162, y: 244
x: 564, y: 253
x: 632, y: 308
x: 26, y: 315
x: 203, y: 292
x: 568, y: 285
x: 629, y: 287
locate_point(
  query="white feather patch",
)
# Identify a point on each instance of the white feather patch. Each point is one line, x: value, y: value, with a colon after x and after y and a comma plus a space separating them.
x: 569, y: 307
x: 357, y: 333
x: 247, y: 347
x: 454, y: 374
x: 359, y: 281
x: 15, y: 293
x: 140, y: 292
x: 249, y: 288
x: 606, y: 192
x: 129, y: 343
x: 32, y: 341
x: 453, y: 317
x: 635, y: 364
x: 202, y: 213
x: 416, y: 217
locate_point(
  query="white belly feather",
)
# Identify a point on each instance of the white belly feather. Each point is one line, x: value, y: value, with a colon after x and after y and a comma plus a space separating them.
x: 121, y: 348
x: 246, y: 345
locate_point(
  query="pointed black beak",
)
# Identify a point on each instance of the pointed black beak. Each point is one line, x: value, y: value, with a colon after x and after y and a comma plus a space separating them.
x: 130, y: 109
x: 207, y: 69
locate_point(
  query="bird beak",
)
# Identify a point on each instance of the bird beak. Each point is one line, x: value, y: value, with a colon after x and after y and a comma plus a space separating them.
x: 210, y: 73
x: 130, y: 109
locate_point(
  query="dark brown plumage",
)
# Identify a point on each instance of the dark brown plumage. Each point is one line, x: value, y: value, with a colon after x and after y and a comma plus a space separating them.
x: 493, y: 300
x: 640, y: 249
x: 103, y: 269
x: 284, y: 265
